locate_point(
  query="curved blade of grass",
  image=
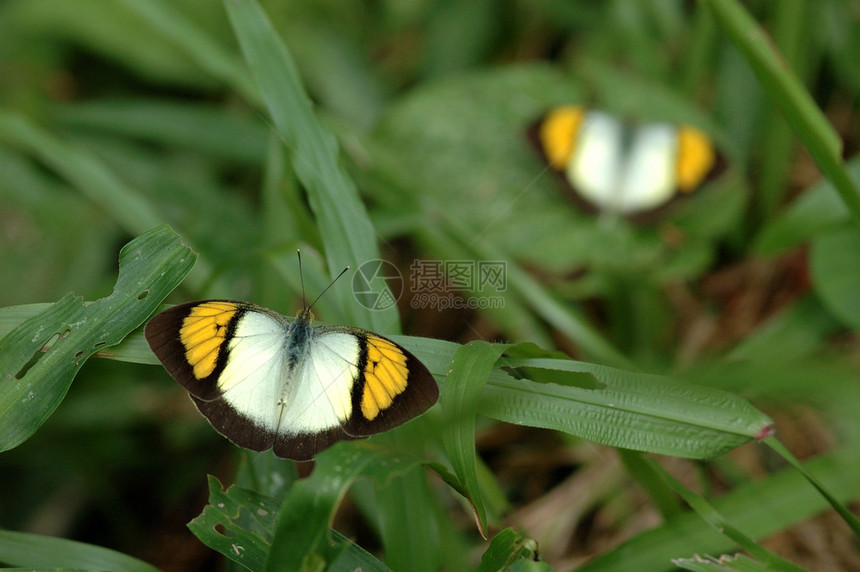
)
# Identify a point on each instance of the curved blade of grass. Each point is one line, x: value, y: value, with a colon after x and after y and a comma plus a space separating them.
x: 124, y: 204
x: 409, y: 523
x: 345, y: 227
x: 208, y: 129
x: 37, y: 551
x: 39, y: 358
x: 834, y: 266
x: 764, y: 507
x: 713, y: 517
x: 208, y: 54
x: 544, y: 303
x: 846, y: 515
x: 302, y: 526
x: 470, y: 368
x: 783, y: 87
x: 662, y: 497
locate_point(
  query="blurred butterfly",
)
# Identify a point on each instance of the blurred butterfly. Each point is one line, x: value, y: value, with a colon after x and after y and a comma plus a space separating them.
x: 620, y: 167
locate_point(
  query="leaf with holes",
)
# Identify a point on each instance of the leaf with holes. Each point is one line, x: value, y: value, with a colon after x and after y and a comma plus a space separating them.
x: 40, y: 357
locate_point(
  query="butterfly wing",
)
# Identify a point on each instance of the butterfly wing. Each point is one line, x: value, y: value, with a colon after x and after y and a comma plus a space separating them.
x: 260, y: 387
x: 229, y: 356
x: 392, y: 385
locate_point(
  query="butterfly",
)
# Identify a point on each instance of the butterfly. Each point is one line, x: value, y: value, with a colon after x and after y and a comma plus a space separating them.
x: 620, y: 167
x: 264, y: 380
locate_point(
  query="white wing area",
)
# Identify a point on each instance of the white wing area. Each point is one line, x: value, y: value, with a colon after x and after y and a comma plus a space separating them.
x: 648, y: 179
x: 319, y: 396
x: 254, y: 378
x: 593, y: 169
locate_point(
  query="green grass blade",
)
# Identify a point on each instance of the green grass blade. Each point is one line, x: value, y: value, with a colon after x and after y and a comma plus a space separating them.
x: 409, y: 527
x: 791, y: 23
x: 783, y: 87
x: 206, y: 52
x: 125, y: 205
x: 764, y: 508
x: 302, y: 526
x: 840, y: 508
x: 713, y: 517
x: 470, y: 368
x: 834, y: 265
x: 736, y: 563
x: 39, y: 358
x: 817, y: 210
x: 345, y: 227
x: 662, y: 497
x: 36, y: 551
x: 543, y: 302
x: 207, y: 129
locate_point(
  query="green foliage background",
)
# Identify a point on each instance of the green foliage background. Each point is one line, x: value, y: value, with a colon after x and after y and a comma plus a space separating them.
x: 398, y: 130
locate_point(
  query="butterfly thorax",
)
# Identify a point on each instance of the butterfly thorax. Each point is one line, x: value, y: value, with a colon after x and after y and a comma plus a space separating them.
x: 299, y: 337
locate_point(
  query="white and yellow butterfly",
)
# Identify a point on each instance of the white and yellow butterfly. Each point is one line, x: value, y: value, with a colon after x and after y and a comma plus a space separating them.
x: 620, y: 167
x: 268, y: 381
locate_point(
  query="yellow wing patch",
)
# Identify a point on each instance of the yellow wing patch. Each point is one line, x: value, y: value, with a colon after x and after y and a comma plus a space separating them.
x: 385, y: 376
x: 202, y: 334
x: 558, y: 133
x: 696, y: 157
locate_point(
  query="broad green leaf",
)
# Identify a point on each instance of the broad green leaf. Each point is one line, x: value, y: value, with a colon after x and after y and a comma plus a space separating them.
x: 623, y: 409
x: 36, y: 551
x: 346, y: 230
x: 40, y: 357
x: 240, y: 524
x: 470, y: 368
x: 834, y: 262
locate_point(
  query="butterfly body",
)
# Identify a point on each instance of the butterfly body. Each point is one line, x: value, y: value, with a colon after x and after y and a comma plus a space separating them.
x: 268, y: 381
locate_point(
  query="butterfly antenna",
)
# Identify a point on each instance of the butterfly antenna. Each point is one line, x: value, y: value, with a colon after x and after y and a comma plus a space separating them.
x: 302, y: 278
x: 342, y: 272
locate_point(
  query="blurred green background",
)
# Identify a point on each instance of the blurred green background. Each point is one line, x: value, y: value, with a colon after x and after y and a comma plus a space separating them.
x: 752, y: 284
